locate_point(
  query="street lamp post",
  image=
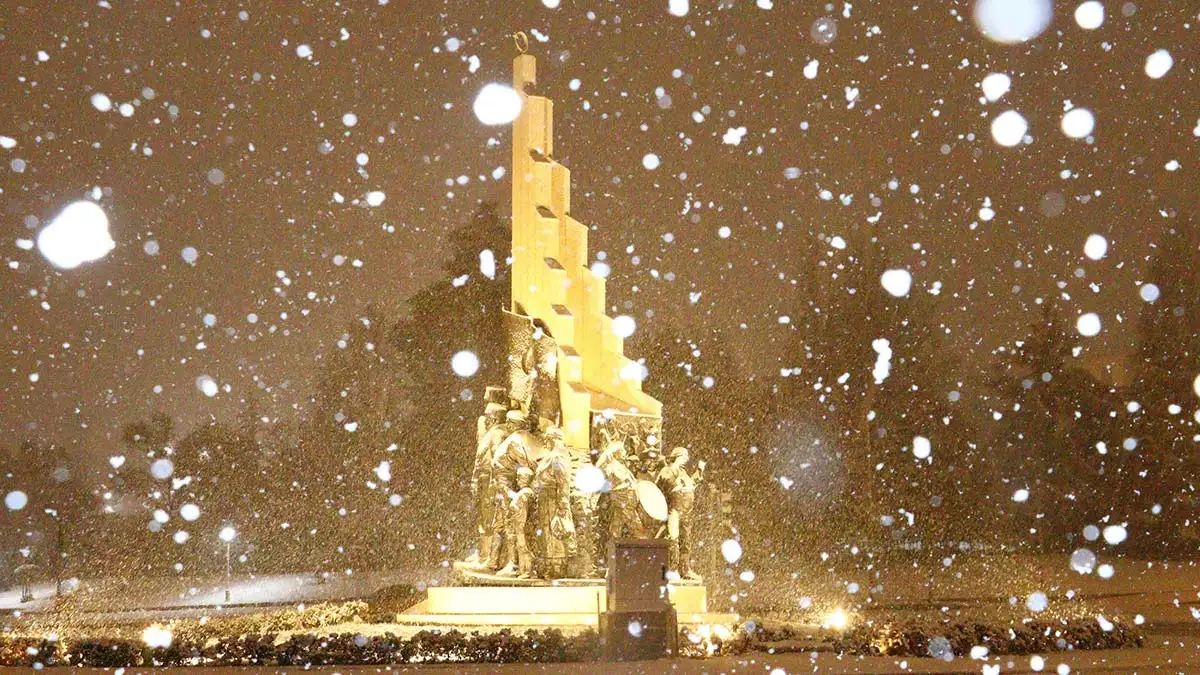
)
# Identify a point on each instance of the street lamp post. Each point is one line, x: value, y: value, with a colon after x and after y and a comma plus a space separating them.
x: 227, y: 535
x: 59, y: 553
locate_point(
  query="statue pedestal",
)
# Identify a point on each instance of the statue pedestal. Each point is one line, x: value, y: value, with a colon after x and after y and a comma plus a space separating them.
x: 485, y: 599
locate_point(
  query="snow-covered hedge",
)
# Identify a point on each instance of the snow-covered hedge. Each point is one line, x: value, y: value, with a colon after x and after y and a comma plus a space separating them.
x: 26, y: 651
x: 302, y: 650
x: 961, y: 639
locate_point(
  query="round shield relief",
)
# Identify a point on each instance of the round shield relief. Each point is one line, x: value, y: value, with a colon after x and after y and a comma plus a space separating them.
x: 652, y: 500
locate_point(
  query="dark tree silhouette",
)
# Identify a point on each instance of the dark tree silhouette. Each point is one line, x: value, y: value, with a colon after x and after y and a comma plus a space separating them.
x: 1052, y: 414
x: 854, y: 427
x: 49, y: 530
x: 1162, y: 382
x: 461, y: 311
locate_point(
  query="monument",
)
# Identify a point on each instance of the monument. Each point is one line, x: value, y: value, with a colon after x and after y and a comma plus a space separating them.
x: 569, y: 454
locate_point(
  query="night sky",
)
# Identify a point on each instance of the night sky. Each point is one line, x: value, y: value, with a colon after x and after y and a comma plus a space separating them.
x: 238, y: 147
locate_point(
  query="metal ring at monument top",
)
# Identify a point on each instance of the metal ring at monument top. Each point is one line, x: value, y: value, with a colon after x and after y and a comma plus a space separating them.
x: 522, y: 41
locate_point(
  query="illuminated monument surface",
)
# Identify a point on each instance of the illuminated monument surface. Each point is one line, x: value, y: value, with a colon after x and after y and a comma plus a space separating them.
x: 553, y: 288
x: 571, y: 441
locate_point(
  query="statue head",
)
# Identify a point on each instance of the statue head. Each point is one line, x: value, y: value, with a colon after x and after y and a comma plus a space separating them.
x: 679, y: 456
x: 553, y: 435
x: 524, y: 477
x: 615, y: 450
x: 494, y: 413
x: 515, y: 419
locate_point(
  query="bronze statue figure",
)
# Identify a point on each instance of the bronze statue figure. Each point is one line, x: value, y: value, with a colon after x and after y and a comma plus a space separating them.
x: 494, y: 431
x: 583, y: 513
x: 515, y: 451
x: 553, y: 480
x: 518, y: 519
x: 625, y: 513
x: 679, y: 487
x: 533, y: 520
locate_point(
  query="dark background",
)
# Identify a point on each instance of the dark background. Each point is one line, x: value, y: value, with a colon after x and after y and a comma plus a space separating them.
x: 133, y: 320
x: 908, y: 167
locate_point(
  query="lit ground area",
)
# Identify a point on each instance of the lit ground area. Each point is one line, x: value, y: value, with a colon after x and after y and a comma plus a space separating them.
x: 169, y: 597
x: 1162, y: 592
x: 1159, y: 600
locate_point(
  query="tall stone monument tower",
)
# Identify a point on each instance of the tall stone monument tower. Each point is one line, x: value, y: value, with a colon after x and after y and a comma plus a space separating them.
x: 566, y: 369
x: 553, y: 288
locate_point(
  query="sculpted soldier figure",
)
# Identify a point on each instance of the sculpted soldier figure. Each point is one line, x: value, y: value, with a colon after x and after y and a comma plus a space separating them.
x: 583, y: 515
x: 495, y: 430
x: 624, y: 509
x: 679, y: 487
x: 519, y: 517
x: 514, y: 452
x: 529, y: 375
x: 493, y: 413
x: 553, y: 479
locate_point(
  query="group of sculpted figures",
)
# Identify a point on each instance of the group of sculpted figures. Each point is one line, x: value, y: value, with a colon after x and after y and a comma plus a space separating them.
x: 541, y: 504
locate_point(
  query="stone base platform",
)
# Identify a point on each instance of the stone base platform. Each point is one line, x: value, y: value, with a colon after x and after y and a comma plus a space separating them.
x: 487, y: 600
x: 467, y: 574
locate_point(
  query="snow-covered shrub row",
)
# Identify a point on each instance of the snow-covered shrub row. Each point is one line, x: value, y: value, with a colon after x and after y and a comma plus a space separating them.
x: 546, y: 646
x: 26, y: 651
x: 963, y: 640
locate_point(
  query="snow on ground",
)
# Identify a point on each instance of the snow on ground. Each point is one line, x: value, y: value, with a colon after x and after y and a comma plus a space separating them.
x: 11, y: 599
x: 112, y: 595
x: 1164, y: 594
